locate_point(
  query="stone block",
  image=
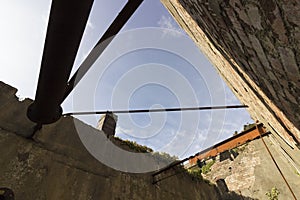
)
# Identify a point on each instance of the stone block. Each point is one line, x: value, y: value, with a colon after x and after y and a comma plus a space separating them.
x: 260, y: 53
x: 254, y: 16
x: 289, y: 62
x: 12, y: 112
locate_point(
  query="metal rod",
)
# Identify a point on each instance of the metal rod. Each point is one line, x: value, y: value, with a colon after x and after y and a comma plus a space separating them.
x: 278, y: 168
x: 175, y: 163
x: 158, y: 110
x: 101, y: 45
x: 66, y: 25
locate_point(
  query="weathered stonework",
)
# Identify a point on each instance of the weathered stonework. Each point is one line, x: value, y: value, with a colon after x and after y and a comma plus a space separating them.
x: 251, y: 172
x: 54, y: 164
x: 34, y: 170
x: 255, y: 47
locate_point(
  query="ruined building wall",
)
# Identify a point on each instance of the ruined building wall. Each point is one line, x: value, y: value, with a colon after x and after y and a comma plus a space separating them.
x: 43, y: 171
x: 255, y: 47
x: 250, y: 171
x: 54, y: 164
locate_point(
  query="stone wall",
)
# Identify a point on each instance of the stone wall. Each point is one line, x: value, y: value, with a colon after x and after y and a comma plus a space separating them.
x: 255, y: 47
x: 34, y: 171
x: 251, y: 172
x: 54, y: 164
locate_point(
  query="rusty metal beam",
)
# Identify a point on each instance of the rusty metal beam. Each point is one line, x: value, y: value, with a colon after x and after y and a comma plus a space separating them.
x: 260, y: 133
x: 101, y: 45
x: 66, y: 25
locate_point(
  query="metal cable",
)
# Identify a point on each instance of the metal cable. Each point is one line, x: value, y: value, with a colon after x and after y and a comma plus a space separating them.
x: 276, y: 165
x: 157, y: 110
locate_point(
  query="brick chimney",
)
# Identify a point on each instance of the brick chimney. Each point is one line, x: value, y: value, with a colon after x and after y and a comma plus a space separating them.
x: 108, y: 123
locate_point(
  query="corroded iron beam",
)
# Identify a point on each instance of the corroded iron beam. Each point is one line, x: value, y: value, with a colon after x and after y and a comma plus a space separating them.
x: 65, y: 29
x: 105, y: 40
x: 66, y: 25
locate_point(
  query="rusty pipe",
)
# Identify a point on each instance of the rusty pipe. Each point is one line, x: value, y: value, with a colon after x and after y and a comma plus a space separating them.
x: 118, y: 23
x: 66, y: 25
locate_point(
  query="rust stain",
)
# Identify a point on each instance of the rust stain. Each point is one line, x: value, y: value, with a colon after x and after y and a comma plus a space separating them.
x: 230, y: 143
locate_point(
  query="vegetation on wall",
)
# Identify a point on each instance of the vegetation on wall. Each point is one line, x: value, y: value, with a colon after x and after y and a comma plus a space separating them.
x: 164, y: 157
x: 273, y: 194
x: 159, y: 156
x: 246, y: 127
x: 134, y: 146
x: 195, y: 174
x: 167, y: 158
x: 249, y: 126
x: 207, y: 167
x: 239, y: 149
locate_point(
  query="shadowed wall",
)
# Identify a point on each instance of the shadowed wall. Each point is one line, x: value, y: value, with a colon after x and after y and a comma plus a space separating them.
x: 255, y: 47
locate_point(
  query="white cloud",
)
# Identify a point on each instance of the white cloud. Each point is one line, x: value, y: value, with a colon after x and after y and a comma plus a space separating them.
x: 121, y: 130
x: 170, y: 26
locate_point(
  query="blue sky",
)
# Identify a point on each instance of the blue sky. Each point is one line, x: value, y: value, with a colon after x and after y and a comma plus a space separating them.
x: 152, y: 64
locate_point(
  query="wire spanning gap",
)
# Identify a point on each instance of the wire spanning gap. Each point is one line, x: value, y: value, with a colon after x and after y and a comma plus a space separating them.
x: 278, y: 168
x: 178, y: 162
x: 158, y: 110
x: 175, y: 163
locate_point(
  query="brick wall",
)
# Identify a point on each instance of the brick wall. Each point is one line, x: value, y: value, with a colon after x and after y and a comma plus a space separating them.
x: 255, y: 47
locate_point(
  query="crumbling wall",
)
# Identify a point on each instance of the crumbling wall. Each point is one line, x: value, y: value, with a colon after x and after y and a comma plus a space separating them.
x: 34, y: 171
x: 255, y: 47
x: 250, y: 171
x: 54, y: 164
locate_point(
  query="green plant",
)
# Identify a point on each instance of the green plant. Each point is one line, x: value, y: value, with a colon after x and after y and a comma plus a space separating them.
x: 249, y: 126
x: 159, y: 156
x: 243, y: 147
x: 206, y: 168
x: 134, y: 146
x: 273, y: 194
x: 195, y: 173
x: 164, y: 157
x: 235, y: 150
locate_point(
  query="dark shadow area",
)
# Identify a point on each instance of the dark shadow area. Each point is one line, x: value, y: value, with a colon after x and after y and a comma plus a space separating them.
x: 221, y: 189
x: 234, y: 196
x: 225, y: 194
x: 225, y: 155
x: 6, y: 194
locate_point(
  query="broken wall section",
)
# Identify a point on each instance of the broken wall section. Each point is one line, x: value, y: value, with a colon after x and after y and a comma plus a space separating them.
x: 54, y: 164
x: 249, y: 170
